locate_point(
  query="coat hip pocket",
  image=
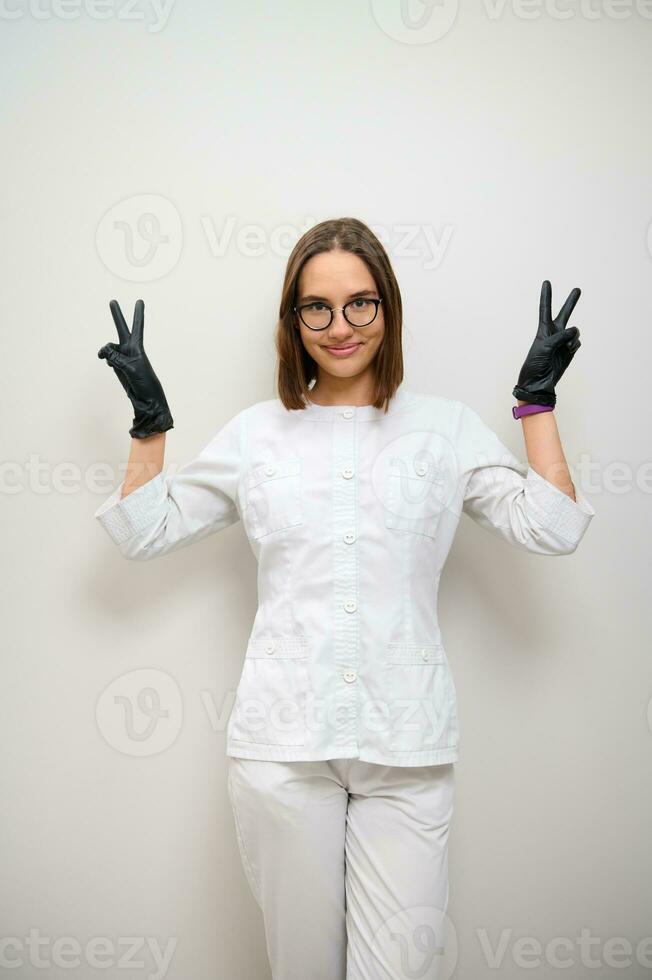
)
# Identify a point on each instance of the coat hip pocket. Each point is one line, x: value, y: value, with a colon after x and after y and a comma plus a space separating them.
x: 420, y: 697
x: 271, y: 698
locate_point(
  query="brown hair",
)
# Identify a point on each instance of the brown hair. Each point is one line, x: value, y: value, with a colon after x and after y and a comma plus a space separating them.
x: 295, y: 367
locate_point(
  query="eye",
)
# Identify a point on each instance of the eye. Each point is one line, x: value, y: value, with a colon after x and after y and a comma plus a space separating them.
x: 317, y: 307
x: 363, y: 306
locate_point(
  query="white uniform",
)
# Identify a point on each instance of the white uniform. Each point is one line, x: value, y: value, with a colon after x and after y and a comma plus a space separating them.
x: 348, y: 862
x: 346, y: 686
x: 351, y: 515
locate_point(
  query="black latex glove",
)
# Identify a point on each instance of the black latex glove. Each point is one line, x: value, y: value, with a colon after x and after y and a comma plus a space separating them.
x: 136, y: 375
x: 551, y: 352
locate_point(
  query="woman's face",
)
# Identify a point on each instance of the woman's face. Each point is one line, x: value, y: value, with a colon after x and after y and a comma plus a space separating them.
x: 334, y: 278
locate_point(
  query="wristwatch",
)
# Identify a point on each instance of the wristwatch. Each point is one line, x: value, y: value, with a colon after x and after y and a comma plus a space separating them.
x: 530, y: 408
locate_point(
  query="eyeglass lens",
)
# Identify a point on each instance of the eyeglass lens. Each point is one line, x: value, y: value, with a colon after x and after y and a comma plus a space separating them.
x: 358, y: 312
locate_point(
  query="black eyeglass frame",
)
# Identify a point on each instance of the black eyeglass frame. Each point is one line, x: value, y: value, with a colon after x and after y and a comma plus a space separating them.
x: 336, y: 309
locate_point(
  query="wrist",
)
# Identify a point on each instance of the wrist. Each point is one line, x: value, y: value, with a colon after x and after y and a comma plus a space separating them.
x: 534, y: 395
x: 530, y: 408
x: 149, y: 425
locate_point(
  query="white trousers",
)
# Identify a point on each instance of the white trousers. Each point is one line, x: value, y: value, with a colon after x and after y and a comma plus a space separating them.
x: 348, y: 861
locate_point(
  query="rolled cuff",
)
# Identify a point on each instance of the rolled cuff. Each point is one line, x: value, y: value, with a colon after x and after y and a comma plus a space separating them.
x: 123, y: 518
x: 556, y: 511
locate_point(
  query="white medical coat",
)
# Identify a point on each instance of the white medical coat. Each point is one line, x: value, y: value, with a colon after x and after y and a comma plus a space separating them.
x: 350, y: 514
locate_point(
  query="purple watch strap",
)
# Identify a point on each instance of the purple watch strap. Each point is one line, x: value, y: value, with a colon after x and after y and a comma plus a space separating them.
x: 530, y: 408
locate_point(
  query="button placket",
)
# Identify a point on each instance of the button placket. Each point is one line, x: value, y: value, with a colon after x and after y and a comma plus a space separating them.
x: 345, y: 575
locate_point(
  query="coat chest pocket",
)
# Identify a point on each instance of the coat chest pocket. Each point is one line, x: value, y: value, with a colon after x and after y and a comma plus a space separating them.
x: 420, y: 696
x: 414, y: 491
x: 274, y: 496
x: 271, y: 699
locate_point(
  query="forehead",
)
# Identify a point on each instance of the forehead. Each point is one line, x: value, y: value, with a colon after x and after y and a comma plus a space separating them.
x: 335, y: 274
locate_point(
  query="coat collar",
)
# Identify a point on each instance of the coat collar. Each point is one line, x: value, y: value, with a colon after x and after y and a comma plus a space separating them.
x: 362, y: 413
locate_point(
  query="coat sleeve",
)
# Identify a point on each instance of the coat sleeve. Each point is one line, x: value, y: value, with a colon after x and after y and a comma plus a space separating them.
x: 169, y: 512
x: 510, y: 499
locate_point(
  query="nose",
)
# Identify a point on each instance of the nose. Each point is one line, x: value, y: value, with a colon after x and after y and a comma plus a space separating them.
x: 340, y: 327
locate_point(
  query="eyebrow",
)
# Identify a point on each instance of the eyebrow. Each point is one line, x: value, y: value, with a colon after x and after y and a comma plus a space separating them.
x: 324, y: 299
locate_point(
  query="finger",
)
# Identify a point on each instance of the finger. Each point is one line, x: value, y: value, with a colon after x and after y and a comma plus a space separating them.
x: 568, y: 307
x: 104, y: 351
x: 545, y: 303
x: 112, y: 356
x: 119, y: 320
x: 564, y: 338
x: 139, y: 322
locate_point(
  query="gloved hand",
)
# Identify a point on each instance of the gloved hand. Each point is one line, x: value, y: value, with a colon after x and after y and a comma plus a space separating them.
x: 136, y: 375
x: 551, y: 352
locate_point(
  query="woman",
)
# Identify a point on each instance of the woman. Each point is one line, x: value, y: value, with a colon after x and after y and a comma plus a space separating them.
x: 344, y: 733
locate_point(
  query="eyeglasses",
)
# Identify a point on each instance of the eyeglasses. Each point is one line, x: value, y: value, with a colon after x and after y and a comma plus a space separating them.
x: 358, y: 312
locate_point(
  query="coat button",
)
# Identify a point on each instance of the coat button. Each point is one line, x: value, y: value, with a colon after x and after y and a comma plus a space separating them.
x: 349, y: 675
x: 347, y: 473
x: 347, y: 413
x: 421, y: 469
x: 350, y: 605
x: 270, y: 470
x: 269, y: 648
x: 424, y: 654
x: 349, y: 537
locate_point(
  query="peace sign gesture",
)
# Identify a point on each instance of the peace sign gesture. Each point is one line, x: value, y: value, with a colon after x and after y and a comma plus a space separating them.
x: 136, y: 375
x: 551, y: 352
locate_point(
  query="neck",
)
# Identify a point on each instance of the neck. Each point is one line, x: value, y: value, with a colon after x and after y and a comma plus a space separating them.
x: 329, y: 390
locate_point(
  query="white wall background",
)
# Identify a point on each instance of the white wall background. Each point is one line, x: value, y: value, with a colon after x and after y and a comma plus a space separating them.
x: 517, y: 136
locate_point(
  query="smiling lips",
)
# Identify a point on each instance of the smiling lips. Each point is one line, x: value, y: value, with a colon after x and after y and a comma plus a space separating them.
x: 343, y: 351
